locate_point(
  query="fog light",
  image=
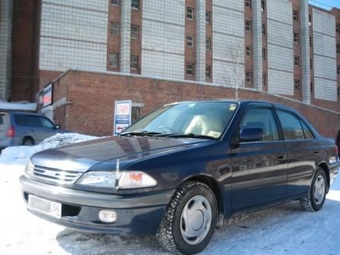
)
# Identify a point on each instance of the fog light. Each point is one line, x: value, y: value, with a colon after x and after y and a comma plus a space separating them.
x: 107, y: 216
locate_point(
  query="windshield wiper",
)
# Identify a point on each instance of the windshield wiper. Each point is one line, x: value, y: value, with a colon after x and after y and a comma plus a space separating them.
x: 190, y: 135
x: 140, y: 133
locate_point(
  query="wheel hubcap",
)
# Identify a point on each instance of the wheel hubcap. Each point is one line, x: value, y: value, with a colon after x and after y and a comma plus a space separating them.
x: 195, y: 220
x: 319, y: 190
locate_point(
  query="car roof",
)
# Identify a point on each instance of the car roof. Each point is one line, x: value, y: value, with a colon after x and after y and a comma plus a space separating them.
x: 21, y: 113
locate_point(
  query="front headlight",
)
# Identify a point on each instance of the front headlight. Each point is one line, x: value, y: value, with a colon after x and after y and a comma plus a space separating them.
x: 125, y: 180
x: 98, y: 179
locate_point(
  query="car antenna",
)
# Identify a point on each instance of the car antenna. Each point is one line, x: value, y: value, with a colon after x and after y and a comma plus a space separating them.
x: 117, y: 176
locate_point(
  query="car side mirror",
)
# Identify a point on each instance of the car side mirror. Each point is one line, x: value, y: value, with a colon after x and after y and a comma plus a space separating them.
x: 251, y: 134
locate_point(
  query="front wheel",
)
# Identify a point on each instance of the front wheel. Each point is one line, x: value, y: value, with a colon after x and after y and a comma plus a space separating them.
x: 190, y: 219
x: 316, y: 195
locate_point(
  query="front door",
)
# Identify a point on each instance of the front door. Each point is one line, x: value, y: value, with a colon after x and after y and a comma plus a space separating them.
x: 259, y: 168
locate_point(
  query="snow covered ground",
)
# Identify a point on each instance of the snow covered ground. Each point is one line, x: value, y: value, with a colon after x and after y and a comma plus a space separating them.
x: 281, y: 230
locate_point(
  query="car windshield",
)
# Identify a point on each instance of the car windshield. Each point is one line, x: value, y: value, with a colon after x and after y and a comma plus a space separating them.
x: 187, y: 119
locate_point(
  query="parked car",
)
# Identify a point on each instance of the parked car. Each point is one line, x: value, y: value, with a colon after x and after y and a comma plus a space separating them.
x: 24, y: 128
x: 181, y: 170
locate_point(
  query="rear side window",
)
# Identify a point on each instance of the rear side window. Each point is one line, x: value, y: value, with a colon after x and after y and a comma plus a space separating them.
x: 20, y: 120
x: 2, y: 120
x: 33, y: 121
x: 293, y: 127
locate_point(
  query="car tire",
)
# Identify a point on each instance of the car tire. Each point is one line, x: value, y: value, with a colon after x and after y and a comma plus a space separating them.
x: 316, y: 195
x: 190, y: 219
x: 28, y: 141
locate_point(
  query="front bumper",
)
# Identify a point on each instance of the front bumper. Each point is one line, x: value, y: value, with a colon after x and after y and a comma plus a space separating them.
x: 138, y: 214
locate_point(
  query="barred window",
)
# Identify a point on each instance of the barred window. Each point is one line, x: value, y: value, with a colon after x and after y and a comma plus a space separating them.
x: 190, y: 69
x: 113, y: 60
x: 190, y: 41
x: 134, y: 62
x: 190, y: 13
x: 114, y: 29
x: 134, y: 32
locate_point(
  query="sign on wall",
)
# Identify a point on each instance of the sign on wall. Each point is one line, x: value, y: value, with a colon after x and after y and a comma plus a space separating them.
x: 47, y: 96
x: 122, y: 117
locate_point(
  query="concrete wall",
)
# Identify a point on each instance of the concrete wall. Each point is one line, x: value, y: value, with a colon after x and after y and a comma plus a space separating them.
x: 163, y: 39
x: 72, y: 36
x: 325, y: 78
x: 5, y: 47
x: 280, y: 48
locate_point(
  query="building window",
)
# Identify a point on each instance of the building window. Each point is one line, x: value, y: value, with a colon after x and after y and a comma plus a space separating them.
x: 247, y: 3
x: 190, y: 41
x: 297, y: 61
x: 114, y: 29
x: 248, y: 51
x: 296, y: 38
x: 190, y: 69
x: 338, y: 70
x: 264, y: 80
x: 207, y: 43
x: 190, y: 13
x: 249, y: 77
x: 208, y: 71
x: 295, y: 15
x: 263, y: 29
x: 297, y: 84
x: 310, y: 41
x: 134, y: 32
x: 311, y: 63
x: 338, y: 48
x: 115, y: 2
x: 113, y: 60
x: 310, y: 19
x: 134, y: 62
x: 338, y: 91
x: 311, y: 87
x: 135, y: 114
x: 263, y: 6
x: 264, y: 53
x: 248, y: 25
x: 338, y: 28
x: 135, y: 4
x: 207, y: 17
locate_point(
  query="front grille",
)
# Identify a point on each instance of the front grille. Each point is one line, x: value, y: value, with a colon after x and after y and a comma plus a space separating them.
x: 53, y: 174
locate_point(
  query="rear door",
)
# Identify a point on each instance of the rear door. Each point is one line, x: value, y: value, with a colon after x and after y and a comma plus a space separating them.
x: 259, y: 169
x: 303, y: 151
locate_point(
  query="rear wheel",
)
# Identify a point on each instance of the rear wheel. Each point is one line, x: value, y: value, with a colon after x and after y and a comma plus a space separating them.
x: 316, y: 195
x: 28, y: 141
x: 190, y: 219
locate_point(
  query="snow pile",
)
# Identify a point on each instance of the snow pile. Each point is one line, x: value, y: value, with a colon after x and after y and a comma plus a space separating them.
x: 18, y: 106
x: 18, y: 155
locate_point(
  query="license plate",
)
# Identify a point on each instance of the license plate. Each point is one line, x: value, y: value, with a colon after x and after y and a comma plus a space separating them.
x: 44, y: 206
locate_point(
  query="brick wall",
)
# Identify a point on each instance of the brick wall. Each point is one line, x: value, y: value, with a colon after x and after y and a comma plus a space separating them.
x: 91, y: 98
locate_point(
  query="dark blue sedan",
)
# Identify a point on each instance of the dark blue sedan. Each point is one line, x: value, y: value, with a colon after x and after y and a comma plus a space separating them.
x: 181, y: 170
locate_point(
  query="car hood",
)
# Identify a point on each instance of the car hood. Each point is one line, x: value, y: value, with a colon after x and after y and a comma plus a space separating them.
x: 82, y: 156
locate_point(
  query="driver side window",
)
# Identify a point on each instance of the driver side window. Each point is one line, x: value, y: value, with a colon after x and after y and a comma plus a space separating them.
x: 261, y: 118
